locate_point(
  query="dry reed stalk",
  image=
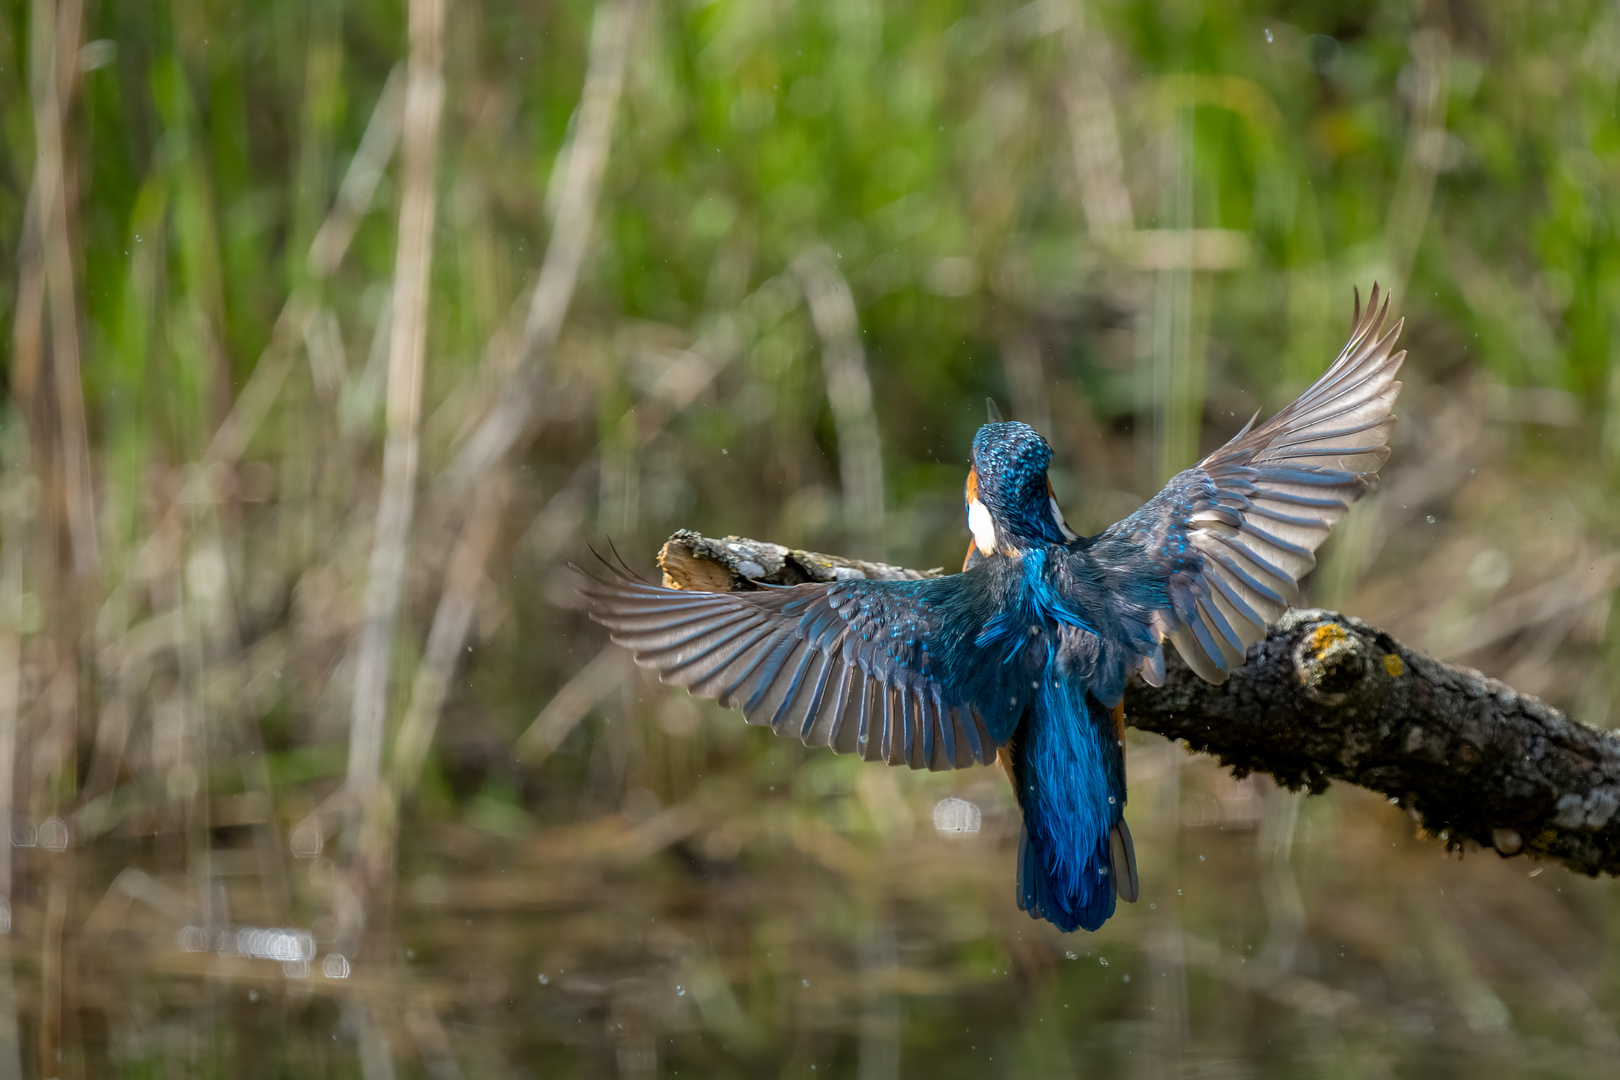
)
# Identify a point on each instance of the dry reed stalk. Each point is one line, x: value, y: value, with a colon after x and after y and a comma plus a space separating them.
x: 10, y: 1043
x: 376, y: 1053
x: 1098, y: 163
x: 424, y: 100
x: 49, y: 1032
x: 12, y: 545
x: 28, y: 320
x: 449, y: 631
x: 188, y: 780
x: 432, y: 1042
x: 13, y: 532
x: 1425, y: 153
x: 577, y: 188
x: 877, y: 1051
x: 569, y: 705
x: 1175, y: 352
x: 849, y: 392
x: 64, y: 472
x: 54, y: 55
x: 359, y: 185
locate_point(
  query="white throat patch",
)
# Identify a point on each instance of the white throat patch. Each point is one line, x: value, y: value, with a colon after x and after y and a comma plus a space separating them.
x: 1063, y: 526
x: 984, y: 530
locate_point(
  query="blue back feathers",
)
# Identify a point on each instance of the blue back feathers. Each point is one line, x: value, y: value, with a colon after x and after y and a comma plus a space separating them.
x: 1068, y: 766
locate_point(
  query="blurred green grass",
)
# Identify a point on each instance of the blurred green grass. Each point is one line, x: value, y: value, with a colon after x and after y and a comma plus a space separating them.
x: 1132, y: 223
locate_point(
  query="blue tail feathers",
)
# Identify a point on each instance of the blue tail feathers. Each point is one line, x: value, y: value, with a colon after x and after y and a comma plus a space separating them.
x: 1069, y: 770
x: 1082, y: 904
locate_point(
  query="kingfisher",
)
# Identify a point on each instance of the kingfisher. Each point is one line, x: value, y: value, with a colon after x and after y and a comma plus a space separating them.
x: 1022, y: 658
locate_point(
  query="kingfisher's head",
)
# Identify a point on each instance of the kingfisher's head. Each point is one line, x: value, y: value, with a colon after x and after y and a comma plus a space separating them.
x: 1009, y: 498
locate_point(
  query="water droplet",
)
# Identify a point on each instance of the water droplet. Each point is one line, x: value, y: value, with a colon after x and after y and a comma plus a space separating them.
x: 53, y: 834
x: 805, y: 983
x: 1268, y: 35
x: 1430, y: 519
x: 543, y: 978
x: 953, y: 815
x: 680, y: 991
x: 306, y: 841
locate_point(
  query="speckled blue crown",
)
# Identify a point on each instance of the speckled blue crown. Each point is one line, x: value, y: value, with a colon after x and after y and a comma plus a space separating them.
x: 1011, y: 459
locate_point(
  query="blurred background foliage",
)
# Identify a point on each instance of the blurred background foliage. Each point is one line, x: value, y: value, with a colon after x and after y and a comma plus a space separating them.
x: 323, y: 362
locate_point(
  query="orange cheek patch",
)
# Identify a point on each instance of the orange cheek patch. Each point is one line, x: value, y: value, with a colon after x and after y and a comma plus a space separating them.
x: 972, y: 496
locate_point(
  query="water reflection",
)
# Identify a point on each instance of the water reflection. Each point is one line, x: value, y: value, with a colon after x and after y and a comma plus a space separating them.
x: 1285, y: 933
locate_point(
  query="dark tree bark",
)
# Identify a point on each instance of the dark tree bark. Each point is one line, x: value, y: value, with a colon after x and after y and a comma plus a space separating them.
x: 1327, y: 697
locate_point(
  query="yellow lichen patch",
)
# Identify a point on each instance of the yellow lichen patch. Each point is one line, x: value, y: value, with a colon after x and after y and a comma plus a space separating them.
x: 1393, y: 665
x: 1326, y: 636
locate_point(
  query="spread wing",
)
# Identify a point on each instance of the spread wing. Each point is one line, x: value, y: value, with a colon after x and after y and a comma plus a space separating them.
x: 852, y: 665
x: 1229, y: 539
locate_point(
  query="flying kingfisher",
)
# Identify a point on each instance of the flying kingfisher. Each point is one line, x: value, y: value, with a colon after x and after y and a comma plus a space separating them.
x: 1023, y: 656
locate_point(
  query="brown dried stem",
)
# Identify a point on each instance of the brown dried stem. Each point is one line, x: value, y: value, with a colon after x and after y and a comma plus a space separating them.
x: 1425, y: 153
x: 849, y: 392
x: 424, y: 101
x: 55, y: 33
